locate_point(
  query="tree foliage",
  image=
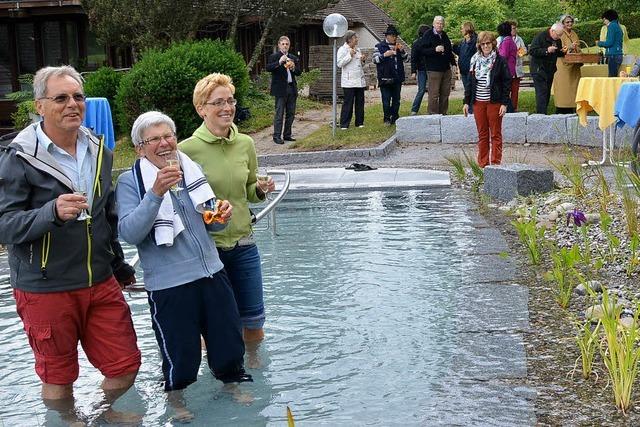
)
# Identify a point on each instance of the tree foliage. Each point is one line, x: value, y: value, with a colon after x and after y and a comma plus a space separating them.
x: 485, y: 14
x: 537, y: 13
x: 410, y: 14
x: 592, y: 9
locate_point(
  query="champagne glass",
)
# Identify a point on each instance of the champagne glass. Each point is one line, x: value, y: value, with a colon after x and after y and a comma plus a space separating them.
x: 262, y: 179
x: 81, y: 190
x: 173, y: 161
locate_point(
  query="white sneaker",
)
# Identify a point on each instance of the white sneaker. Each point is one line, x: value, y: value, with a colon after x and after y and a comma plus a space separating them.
x: 414, y: 113
x: 361, y: 126
x: 344, y: 128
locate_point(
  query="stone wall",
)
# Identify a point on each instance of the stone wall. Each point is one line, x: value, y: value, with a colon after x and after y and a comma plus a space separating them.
x: 517, y: 128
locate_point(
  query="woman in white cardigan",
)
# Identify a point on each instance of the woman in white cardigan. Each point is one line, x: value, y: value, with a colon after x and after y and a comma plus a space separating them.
x: 350, y: 59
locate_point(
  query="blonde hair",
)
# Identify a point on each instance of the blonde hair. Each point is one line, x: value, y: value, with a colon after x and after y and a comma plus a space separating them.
x: 468, y: 28
x: 208, y: 84
x: 487, y: 36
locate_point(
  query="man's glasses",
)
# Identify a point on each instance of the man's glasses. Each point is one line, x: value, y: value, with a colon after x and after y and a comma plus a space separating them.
x: 63, y: 99
x: 219, y: 103
x: 170, y: 138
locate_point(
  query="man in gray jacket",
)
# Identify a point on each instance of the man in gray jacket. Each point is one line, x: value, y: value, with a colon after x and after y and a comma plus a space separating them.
x: 63, y: 264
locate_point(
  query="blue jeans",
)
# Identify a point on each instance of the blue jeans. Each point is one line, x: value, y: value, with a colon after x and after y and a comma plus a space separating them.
x: 391, y: 101
x: 614, y: 62
x: 422, y: 88
x: 242, y: 265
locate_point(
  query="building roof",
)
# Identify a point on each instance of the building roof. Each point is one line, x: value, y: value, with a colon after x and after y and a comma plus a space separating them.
x: 359, y: 12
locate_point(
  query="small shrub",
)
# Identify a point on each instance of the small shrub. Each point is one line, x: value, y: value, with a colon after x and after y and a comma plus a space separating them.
x: 104, y: 83
x: 307, y: 78
x: 21, y: 118
x: 164, y: 81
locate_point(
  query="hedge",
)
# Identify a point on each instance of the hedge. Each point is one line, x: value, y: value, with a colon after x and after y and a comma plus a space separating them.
x: 104, y: 83
x: 164, y: 81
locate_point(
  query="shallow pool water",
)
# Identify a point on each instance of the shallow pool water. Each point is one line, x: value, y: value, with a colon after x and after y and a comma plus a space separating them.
x: 364, y: 314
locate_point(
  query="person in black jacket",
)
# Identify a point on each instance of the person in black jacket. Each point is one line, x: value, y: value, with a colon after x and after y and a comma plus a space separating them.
x: 546, y: 47
x: 284, y: 67
x: 439, y: 57
x: 389, y: 56
x: 418, y: 68
x: 488, y: 91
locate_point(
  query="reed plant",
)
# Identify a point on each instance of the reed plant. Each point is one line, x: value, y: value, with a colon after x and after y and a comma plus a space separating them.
x: 530, y: 235
x: 619, y: 350
x: 634, y: 260
x: 604, y: 192
x: 613, y: 241
x: 563, y: 273
x: 458, y: 167
x: 629, y: 202
x: 587, y: 340
x: 476, y: 170
x: 573, y: 172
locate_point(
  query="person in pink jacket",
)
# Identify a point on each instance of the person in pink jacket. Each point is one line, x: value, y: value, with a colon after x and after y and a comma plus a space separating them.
x: 509, y: 51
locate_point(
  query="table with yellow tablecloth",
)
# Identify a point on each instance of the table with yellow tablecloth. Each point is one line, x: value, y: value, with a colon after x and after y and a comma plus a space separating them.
x: 599, y: 94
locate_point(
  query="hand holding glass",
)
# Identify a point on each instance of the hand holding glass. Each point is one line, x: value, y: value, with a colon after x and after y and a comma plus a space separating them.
x: 263, y: 183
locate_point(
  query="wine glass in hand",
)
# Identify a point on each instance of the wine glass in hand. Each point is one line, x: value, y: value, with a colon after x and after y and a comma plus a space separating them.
x: 173, y: 161
x: 81, y: 190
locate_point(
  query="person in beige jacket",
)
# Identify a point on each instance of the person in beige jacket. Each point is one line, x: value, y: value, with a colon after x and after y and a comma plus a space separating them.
x: 350, y: 60
x: 565, y: 81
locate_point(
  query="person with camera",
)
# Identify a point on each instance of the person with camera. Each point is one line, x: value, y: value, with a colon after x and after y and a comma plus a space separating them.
x: 389, y: 56
x: 284, y: 67
x: 546, y: 47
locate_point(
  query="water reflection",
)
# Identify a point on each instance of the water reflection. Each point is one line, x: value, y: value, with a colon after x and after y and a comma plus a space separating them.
x: 360, y: 293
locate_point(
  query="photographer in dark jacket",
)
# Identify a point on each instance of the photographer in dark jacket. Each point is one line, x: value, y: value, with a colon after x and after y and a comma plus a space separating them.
x: 465, y: 50
x: 389, y: 56
x: 546, y: 47
x: 418, y: 68
x: 488, y: 92
x: 284, y: 67
x: 439, y: 54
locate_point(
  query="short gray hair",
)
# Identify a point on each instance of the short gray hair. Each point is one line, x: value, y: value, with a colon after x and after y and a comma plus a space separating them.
x: 147, y: 120
x: 558, y: 27
x: 349, y: 35
x: 44, y: 74
x: 438, y: 18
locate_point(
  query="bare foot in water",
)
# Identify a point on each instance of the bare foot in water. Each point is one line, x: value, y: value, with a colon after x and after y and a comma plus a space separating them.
x: 183, y: 415
x: 127, y: 418
x: 242, y: 397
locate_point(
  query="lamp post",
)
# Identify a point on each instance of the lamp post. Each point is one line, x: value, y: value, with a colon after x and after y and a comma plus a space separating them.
x: 334, y: 26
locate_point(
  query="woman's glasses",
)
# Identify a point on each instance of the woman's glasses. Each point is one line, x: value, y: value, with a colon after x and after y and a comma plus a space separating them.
x: 170, y: 137
x: 219, y: 103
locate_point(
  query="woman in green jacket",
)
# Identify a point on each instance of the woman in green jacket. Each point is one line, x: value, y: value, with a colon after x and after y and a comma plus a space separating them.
x: 228, y: 159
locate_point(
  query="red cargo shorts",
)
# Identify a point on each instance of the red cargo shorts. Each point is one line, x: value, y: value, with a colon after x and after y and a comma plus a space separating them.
x: 98, y: 317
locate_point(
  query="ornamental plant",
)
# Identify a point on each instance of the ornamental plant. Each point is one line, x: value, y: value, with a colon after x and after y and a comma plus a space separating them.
x: 530, y: 235
x: 619, y: 350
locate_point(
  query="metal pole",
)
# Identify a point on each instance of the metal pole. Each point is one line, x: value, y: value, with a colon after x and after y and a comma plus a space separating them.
x: 335, y: 95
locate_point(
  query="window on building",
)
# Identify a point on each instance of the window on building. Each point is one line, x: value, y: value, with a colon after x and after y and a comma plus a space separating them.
x: 52, y: 43
x: 27, y: 63
x: 96, y: 53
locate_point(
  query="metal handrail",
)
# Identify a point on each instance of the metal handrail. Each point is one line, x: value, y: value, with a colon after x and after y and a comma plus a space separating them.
x: 267, y: 210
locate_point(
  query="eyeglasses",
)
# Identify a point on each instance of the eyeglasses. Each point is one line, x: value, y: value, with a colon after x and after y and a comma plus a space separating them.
x: 170, y: 138
x: 568, y: 22
x: 219, y: 103
x: 486, y: 43
x: 64, y: 98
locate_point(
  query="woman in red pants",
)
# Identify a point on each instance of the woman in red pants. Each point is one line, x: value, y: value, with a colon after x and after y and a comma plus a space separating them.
x: 489, y: 94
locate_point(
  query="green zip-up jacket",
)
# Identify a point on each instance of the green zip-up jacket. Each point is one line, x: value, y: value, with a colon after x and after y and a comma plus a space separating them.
x: 230, y: 165
x: 45, y: 253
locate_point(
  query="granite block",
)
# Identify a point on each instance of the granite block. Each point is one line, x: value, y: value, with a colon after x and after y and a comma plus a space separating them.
x: 504, y: 182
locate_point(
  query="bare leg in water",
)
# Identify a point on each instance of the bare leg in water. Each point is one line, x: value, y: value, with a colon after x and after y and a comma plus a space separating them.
x: 60, y: 398
x: 252, y: 339
x: 114, y: 388
x: 176, y: 401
